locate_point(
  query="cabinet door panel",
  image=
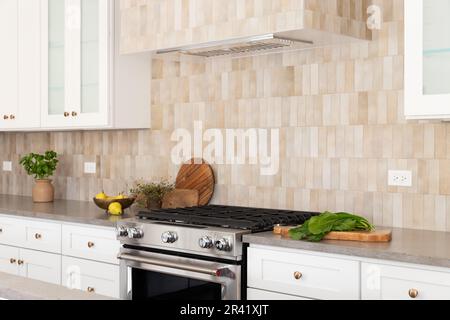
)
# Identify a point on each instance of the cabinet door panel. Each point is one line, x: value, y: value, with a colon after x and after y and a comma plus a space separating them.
x: 40, y: 266
x: 76, y: 58
x: 29, y: 64
x: 6, y: 264
x: 8, y: 62
x: 90, y: 276
x: 427, y: 59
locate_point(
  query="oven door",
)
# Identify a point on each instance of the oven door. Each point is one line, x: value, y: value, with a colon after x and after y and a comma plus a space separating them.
x: 154, y: 276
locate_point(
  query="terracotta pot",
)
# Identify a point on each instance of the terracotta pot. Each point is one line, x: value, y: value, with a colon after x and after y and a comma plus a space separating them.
x: 43, y: 191
x: 153, y: 204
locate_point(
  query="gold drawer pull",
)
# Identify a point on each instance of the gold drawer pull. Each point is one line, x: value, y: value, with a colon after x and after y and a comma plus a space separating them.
x: 66, y: 114
x: 91, y: 244
x: 413, y: 293
x: 38, y: 236
x: 5, y: 117
x: 12, y: 261
x: 90, y: 290
x: 74, y: 114
x: 12, y: 117
x: 1, y: 230
x: 298, y: 275
x: 20, y: 262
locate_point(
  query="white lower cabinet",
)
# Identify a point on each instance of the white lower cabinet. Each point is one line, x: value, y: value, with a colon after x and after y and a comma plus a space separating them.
x: 31, y: 264
x: 388, y: 282
x: 98, y: 244
x: 90, y: 276
x: 276, y: 273
x: 40, y: 266
x: 8, y: 260
x: 77, y: 256
x: 302, y: 274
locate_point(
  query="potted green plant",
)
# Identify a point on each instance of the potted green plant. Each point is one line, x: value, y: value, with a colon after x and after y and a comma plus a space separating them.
x: 41, y: 167
x: 150, y: 195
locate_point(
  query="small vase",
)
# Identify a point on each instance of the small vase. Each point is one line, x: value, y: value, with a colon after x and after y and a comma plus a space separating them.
x: 43, y: 191
x: 154, y: 204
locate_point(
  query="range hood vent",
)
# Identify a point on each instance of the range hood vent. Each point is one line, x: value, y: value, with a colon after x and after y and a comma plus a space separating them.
x: 249, y: 45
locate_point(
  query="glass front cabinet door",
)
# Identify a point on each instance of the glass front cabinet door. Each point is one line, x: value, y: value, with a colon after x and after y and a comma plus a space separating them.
x: 427, y: 59
x: 75, y: 63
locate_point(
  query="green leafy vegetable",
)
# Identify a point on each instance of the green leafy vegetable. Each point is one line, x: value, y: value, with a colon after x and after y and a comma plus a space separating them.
x: 316, y: 228
x: 41, y: 166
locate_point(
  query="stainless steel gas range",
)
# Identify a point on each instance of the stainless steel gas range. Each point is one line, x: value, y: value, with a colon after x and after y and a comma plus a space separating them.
x: 191, y: 254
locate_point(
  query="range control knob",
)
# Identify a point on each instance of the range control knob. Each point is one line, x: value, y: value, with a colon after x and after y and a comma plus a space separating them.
x: 223, y: 245
x: 122, y: 232
x: 135, y: 233
x: 169, y: 237
x: 205, y: 242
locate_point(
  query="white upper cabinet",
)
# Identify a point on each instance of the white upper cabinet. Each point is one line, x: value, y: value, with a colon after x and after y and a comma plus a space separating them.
x: 85, y: 82
x: 75, y: 61
x: 61, y: 68
x: 19, y: 64
x: 427, y: 59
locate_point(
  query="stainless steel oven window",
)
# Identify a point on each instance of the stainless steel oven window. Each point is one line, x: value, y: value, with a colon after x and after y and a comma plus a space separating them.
x: 227, y: 275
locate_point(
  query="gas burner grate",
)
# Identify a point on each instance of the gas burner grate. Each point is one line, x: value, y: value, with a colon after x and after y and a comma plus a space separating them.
x: 255, y: 220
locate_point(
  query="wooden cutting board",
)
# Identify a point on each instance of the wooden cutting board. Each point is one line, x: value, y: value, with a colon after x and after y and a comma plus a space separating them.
x: 198, y: 177
x: 180, y: 198
x: 360, y: 236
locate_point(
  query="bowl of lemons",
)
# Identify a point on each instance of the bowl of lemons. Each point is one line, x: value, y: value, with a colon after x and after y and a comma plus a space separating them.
x: 113, y: 205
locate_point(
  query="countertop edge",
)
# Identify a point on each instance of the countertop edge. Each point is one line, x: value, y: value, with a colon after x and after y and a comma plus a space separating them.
x: 350, y: 252
x: 55, y: 217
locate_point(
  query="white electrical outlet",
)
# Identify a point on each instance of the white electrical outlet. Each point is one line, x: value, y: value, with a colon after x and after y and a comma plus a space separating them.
x: 7, y: 166
x: 400, y: 178
x: 90, y: 167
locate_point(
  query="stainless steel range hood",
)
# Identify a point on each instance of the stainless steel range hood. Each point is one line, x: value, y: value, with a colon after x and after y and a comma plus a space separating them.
x: 248, y: 45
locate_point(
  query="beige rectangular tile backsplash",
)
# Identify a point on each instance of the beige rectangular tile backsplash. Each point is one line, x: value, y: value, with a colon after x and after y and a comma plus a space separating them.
x: 340, y: 114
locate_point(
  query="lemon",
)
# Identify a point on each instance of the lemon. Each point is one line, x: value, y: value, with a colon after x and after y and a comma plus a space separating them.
x: 101, y: 196
x: 115, y: 209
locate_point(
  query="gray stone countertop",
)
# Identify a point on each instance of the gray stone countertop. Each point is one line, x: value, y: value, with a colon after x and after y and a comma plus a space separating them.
x: 61, y: 210
x: 411, y: 246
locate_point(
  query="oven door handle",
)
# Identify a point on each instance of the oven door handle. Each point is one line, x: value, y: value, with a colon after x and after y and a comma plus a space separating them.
x: 216, y: 272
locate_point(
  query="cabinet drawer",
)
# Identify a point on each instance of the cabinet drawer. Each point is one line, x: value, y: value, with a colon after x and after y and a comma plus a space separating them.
x: 255, y: 294
x: 31, y: 234
x: 43, y: 236
x: 99, y: 244
x: 302, y: 274
x: 90, y: 276
x: 12, y: 231
x: 386, y: 282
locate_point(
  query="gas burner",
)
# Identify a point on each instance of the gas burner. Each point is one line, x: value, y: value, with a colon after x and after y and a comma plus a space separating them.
x: 241, y: 218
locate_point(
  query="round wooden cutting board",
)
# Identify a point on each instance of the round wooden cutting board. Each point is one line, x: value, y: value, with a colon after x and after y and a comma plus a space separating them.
x: 198, y: 177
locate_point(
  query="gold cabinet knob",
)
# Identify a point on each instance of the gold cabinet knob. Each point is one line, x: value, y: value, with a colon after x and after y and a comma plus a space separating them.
x: 74, y: 114
x: 12, y: 260
x: 38, y: 236
x: 90, y: 290
x: 413, y: 293
x: 5, y: 117
x: 298, y: 275
x: 1, y: 230
x: 20, y: 262
x: 91, y: 244
x: 66, y: 114
x: 12, y: 117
